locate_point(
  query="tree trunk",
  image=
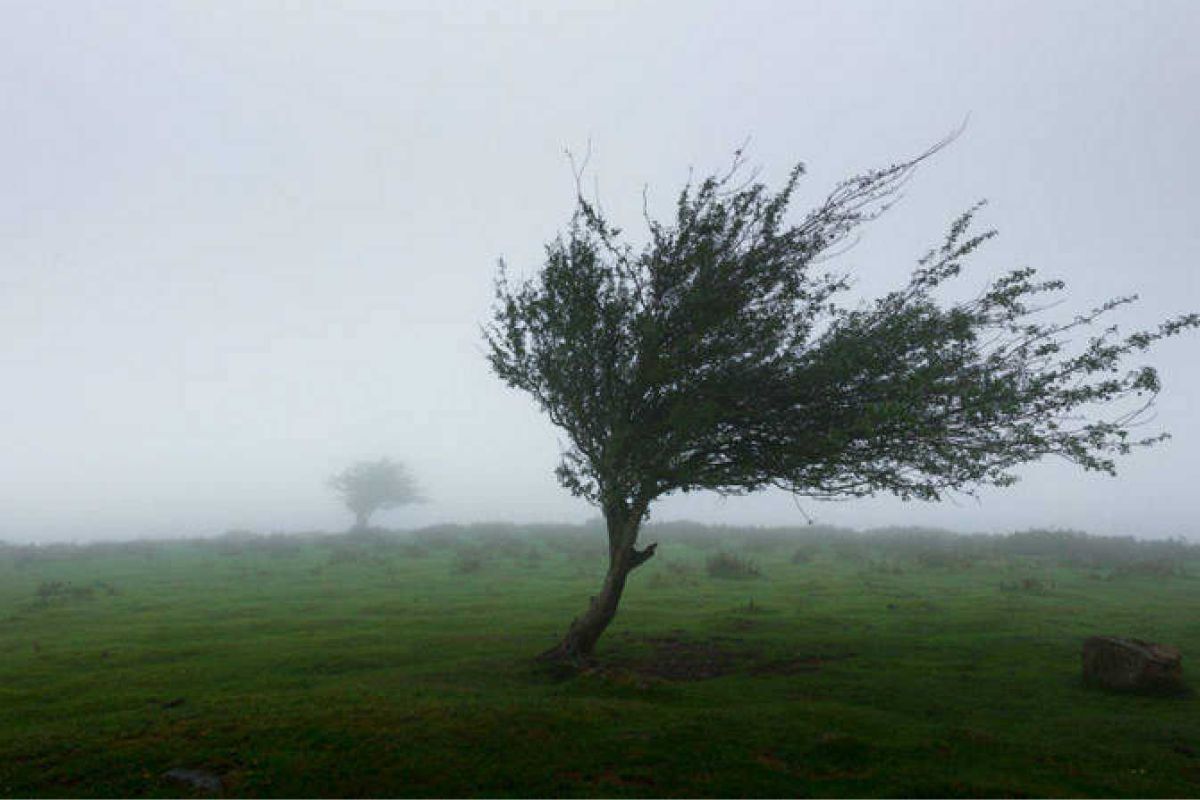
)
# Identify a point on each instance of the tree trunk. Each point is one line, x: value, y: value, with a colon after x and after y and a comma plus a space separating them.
x: 576, y: 647
x: 360, y: 521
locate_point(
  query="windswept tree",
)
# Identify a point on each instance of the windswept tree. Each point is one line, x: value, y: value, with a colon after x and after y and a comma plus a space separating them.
x: 370, y: 486
x: 721, y: 355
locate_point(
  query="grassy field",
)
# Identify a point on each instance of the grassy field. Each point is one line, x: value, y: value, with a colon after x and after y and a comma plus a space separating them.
x: 901, y: 663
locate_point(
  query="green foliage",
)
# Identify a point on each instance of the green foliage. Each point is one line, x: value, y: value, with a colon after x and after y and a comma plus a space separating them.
x: 522, y: 544
x: 1076, y: 548
x: 718, y: 356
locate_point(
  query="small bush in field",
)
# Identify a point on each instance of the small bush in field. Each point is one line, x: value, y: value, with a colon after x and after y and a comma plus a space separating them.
x: 805, y: 553
x: 49, y: 591
x: 1156, y: 568
x: 673, y: 573
x: 467, y: 562
x: 278, y: 545
x: 1030, y: 585
x: 939, y: 559
x: 678, y: 569
x: 752, y: 607
x: 412, y: 550
x: 887, y: 567
x: 728, y: 565
x: 440, y: 537
x: 349, y: 554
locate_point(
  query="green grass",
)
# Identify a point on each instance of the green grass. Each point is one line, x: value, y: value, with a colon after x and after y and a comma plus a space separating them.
x: 382, y: 666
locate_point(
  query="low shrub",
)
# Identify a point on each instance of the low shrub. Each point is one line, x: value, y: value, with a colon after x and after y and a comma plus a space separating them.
x: 886, y: 567
x: 1156, y: 568
x: 467, y: 562
x: 51, y: 591
x: 729, y: 566
x: 359, y: 556
x: 673, y: 573
x: 805, y: 553
x: 944, y: 559
x: 752, y: 607
x: 438, y: 537
x: 1030, y: 585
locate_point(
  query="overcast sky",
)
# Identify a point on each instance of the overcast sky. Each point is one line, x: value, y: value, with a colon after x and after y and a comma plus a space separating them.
x: 244, y: 244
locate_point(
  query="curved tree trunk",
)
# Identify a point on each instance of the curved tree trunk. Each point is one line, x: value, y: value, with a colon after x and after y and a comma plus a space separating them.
x: 577, y: 646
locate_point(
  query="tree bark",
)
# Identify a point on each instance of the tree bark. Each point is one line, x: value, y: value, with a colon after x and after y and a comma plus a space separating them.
x: 577, y: 646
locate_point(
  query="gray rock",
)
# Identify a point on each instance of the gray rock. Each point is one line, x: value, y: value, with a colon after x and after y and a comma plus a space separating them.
x: 1132, y: 665
x: 196, y: 778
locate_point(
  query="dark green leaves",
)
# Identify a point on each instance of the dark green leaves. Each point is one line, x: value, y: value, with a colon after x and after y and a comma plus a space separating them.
x: 717, y: 357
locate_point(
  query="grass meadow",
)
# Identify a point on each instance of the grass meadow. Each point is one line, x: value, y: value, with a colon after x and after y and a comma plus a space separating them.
x: 757, y: 662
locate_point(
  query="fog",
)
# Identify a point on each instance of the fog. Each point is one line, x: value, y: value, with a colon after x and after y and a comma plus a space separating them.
x: 243, y: 245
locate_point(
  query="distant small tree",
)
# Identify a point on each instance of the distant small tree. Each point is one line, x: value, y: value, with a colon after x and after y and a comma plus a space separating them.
x: 716, y: 357
x: 369, y: 486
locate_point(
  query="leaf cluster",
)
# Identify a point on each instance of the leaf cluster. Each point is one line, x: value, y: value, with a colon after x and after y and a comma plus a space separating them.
x: 721, y: 356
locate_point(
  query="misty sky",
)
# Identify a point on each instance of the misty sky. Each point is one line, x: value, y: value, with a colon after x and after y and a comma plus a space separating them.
x: 244, y: 244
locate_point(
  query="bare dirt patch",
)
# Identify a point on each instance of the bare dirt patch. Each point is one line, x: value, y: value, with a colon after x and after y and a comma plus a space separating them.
x: 675, y: 658
x: 678, y: 657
